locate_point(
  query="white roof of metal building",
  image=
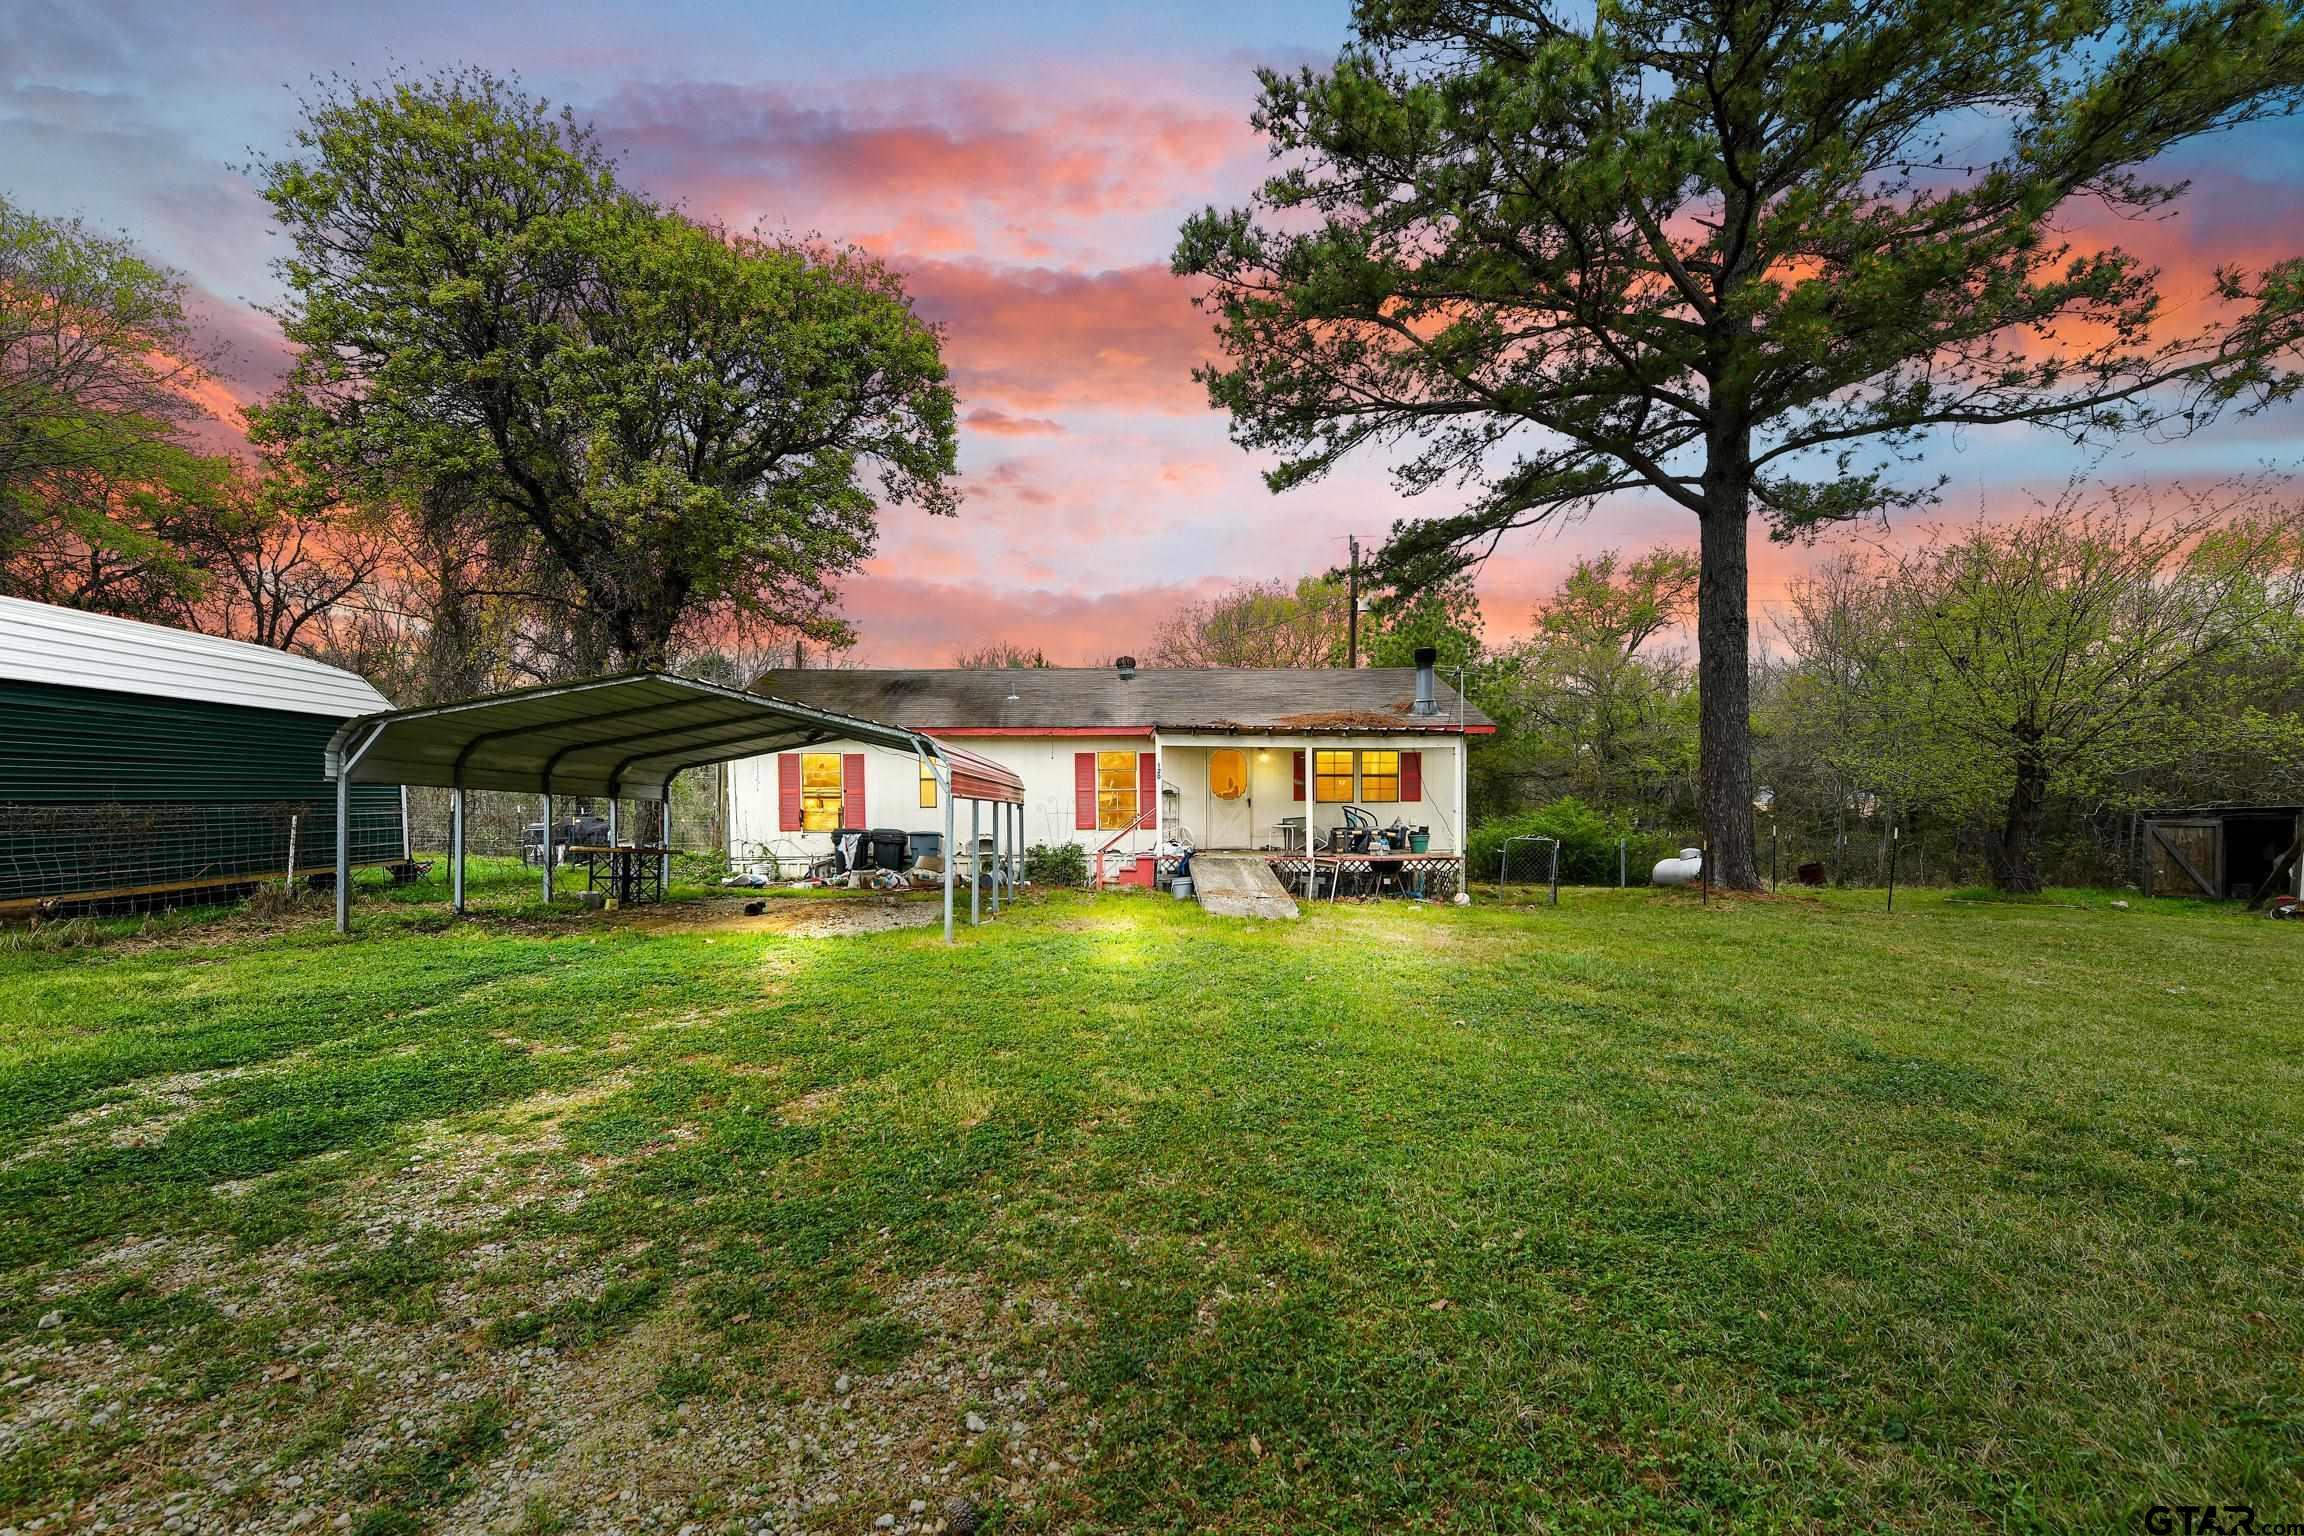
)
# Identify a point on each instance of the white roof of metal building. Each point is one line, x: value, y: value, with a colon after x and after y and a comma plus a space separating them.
x: 617, y: 736
x: 40, y: 643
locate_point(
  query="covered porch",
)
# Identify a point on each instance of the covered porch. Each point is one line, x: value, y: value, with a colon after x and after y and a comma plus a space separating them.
x: 1369, y: 813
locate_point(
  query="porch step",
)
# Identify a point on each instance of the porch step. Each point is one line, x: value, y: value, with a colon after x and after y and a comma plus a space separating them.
x: 1239, y: 885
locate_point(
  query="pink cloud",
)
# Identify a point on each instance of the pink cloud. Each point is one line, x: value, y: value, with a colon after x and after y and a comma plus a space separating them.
x: 909, y: 621
x: 1000, y: 424
x: 1037, y: 339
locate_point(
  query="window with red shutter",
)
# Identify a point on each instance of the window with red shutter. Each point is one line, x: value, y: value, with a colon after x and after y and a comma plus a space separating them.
x: 852, y: 807
x: 787, y: 791
x: 1411, y: 775
x: 1299, y: 795
x: 1084, y: 791
x: 1147, y: 790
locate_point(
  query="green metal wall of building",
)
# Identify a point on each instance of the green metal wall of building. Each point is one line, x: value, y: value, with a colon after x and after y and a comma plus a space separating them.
x: 102, y: 791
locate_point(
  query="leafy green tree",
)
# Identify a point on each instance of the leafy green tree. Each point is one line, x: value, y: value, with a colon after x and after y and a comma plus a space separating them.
x: 1259, y: 624
x: 2075, y: 655
x: 1721, y: 253
x: 99, y: 361
x: 1445, y: 617
x: 666, y: 422
x: 1588, y: 702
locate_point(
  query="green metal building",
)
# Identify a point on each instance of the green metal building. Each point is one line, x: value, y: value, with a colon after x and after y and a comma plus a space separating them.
x: 140, y: 764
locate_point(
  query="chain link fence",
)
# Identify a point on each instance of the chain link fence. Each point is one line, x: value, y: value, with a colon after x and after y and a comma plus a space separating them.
x: 507, y: 823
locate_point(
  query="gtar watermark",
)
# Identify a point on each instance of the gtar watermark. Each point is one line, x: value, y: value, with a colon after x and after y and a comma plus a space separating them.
x: 2215, y: 1520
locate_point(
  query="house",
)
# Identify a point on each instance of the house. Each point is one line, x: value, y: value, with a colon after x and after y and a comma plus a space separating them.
x: 142, y: 764
x: 1118, y: 759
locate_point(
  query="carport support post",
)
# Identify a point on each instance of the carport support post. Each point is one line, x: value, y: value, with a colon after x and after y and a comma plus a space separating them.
x: 344, y: 848
x: 547, y: 845
x: 951, y: 852
x: 664, y: 847
x: 999, y: 853
x: 456, y: 850
x: 975, y: 866
x: 1016, y: 846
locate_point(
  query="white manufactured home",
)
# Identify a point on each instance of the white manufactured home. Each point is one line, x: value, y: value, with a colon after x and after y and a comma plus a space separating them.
x: 1122, y: 760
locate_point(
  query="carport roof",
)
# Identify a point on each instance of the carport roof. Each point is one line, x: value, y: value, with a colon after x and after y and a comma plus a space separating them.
x: 616, y: 736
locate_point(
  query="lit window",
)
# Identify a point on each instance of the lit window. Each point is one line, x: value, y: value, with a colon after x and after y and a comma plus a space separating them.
x: 1380, y: 777
x: 1227, y: 773
x: 1332, y: 777
x: 820, y: 791
x: 1115, y: 790
x: 927, y: 788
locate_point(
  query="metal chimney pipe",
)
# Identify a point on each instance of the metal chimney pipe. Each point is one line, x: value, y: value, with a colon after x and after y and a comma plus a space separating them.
x: 1126, y: 666
x: 1427, y: 657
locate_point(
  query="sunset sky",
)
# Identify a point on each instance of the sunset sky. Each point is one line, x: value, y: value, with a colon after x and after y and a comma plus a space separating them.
x: 1026, y: 165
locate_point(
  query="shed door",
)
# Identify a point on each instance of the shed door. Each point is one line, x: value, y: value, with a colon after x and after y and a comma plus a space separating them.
x: 2184, y: 858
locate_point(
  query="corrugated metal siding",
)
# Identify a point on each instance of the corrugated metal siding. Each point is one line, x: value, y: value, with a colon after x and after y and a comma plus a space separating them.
x: 104, y: 791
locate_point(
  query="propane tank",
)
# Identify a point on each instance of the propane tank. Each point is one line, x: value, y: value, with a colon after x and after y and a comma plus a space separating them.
x: 1684, y: 870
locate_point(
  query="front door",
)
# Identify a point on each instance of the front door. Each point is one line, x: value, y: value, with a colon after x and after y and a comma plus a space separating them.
x: 1230, y: 815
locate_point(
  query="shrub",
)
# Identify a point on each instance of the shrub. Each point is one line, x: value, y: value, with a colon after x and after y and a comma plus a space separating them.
x: 1056, y: 864
x: 1588, y: 839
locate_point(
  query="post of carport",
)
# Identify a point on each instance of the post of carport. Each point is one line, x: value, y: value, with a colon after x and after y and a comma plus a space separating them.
x: 343, y: 847
x: 664, y: 847
x: 456, y: 850
x: 975, y: 866
x: 999, y: 852
x: 547, y: 846
x: 951, y: 833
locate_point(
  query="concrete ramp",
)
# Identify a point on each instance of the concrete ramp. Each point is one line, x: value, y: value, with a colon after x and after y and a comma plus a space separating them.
x: 1239, y: 885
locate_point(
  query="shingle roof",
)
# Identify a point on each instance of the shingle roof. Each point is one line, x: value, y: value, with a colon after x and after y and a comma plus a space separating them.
x: 1299, y: 700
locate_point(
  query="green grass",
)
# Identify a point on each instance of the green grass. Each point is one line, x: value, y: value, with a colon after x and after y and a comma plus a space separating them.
x: 1628, y: 1215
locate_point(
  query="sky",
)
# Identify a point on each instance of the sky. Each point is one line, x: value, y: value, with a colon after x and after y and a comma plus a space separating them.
x: 1026, y: 166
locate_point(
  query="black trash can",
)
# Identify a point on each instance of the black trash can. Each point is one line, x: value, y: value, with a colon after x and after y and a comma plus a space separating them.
x: 841, y: 843
x: 888, y: 847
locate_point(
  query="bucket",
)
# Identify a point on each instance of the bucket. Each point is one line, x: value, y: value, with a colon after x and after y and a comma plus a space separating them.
x: 1419, y: 842
x: 1181, y: 888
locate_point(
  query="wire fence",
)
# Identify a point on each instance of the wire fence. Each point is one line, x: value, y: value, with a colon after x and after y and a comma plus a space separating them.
x: 126, y: 856
x: 506, y: 823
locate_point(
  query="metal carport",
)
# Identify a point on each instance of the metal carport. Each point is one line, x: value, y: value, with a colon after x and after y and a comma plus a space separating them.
x: 628, y: 737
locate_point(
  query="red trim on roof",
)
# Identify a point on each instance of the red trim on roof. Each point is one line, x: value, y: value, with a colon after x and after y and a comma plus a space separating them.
x: 1036, y: 730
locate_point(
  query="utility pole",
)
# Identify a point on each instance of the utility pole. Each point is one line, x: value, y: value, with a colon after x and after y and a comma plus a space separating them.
x: 1352, y: 607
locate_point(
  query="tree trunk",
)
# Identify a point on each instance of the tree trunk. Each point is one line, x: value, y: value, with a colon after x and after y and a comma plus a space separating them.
x: 1724, y: 682
x: 2013, y: 868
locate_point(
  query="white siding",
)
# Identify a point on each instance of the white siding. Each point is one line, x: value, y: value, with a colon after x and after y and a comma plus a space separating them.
x: 40, y: 643
x: 892, y: 792
x: 1045, y: 764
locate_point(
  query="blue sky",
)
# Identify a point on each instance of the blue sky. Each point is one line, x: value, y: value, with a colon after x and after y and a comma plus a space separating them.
x: 1026, y: 165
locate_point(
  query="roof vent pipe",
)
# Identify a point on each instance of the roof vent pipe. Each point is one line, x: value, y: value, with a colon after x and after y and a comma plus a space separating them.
x: 1427, y: 657
x: 1127, y: 666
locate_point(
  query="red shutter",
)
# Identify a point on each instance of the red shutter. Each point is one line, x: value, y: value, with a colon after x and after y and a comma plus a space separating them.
x: 1411, y: 775
x: 1084, y: 791
x: 1148, y: 790
x: 853, y: 810
x: 1299, y: 776
x: 787, y: 791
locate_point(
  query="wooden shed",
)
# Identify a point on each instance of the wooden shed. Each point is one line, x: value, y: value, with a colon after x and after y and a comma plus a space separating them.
x: 2245, y: 852
x: 142, y: 764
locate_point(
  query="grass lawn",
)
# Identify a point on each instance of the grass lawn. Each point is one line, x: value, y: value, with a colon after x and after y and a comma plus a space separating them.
x: 1632, y: 1215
